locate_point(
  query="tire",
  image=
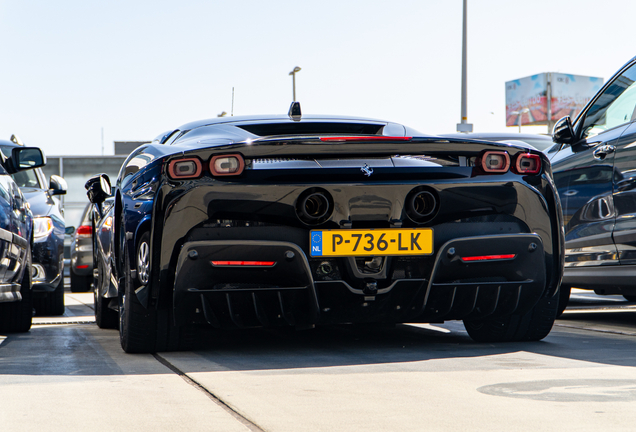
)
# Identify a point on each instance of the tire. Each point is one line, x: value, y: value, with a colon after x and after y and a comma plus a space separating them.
x: 16, y: 317
x: 531, y: 326
x: 631, y: 298
x: 137, y: 324
x: 105, y: 317
x: 148, y: 330
x: 80, y: 283
x: 564, y: 298
x: 50, y: 303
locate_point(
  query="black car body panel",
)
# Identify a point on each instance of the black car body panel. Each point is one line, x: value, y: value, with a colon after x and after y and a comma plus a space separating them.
x: 48, y: 248
x: 363, y: 180
x: 594, y: 174
x: 16, y: 242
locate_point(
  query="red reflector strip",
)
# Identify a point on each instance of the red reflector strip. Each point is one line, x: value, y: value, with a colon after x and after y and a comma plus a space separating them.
x: 488, y: 257
x: 244, y: 263
x: 82, y: 266
x: 84, y: 230
x: 365, y: 138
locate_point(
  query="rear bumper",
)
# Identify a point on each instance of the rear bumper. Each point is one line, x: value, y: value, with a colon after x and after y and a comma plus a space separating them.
x: 82, y: 256
x: 294, y: 292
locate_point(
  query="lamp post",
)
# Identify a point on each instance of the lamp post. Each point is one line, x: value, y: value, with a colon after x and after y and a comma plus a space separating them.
x: 520, y: 113
x: 464, y: 126
x: 293, y: 74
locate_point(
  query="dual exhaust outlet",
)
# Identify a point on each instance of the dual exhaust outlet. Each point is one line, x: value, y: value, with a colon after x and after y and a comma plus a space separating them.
x: 315, y: 206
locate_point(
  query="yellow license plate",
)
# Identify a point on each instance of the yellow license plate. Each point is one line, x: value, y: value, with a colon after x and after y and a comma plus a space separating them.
x: 378, y: 242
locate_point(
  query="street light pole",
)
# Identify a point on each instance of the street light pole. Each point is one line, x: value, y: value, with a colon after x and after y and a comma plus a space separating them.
x: 293, y: 74
x: 464, y: 126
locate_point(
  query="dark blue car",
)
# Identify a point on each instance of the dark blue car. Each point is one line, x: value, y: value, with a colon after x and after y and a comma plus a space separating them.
x: 16, y: 241
x: 48, y: 234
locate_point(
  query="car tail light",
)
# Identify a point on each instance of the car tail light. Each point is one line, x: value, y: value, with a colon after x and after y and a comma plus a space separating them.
x: 488, y: 258
x: 495, y: 162
x: 225, y: 165
x: 528, y: 163
x: 83, y: 266
x: 187, y: 168
x: 365, y: 138
x: 243, y: 263
x: 84, y: 231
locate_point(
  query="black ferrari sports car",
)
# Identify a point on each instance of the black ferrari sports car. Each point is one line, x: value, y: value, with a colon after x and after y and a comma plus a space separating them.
x: 307, y: 220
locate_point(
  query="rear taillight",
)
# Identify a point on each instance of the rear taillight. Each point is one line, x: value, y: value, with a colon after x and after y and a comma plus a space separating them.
x: 528, y: 163
x: 187, y: 168
x: 84, y: 231
x: 478, y: 258
x: 243, y: 263
x: 365, y: 138
x: 495, y: 162
x: 225, y: 165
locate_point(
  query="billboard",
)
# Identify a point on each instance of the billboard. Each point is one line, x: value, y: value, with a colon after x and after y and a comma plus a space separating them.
x: 569, y: 94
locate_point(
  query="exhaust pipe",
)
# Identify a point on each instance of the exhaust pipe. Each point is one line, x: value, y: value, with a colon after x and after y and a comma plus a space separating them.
x: 421, y: 205
x: 314, y: 206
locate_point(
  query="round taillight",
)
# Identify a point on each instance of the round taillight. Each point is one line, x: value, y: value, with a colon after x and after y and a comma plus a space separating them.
x: 528, y: 164
x: 495, y: 162
x: 223, y: 165
x: 185, y: 168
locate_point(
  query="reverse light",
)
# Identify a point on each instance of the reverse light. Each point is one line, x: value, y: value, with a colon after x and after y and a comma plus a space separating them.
x: 243, y: 263
x: 365, y: 138
x: 488, y: 258
x: 223, y: 165
x: 42, y: 227
x: 528, y: 163
x: 495, y: 162
x: 84, y: 231
x: 187, y: 168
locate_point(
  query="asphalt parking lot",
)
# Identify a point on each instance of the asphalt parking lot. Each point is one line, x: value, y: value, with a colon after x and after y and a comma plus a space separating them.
x: 67, y: 374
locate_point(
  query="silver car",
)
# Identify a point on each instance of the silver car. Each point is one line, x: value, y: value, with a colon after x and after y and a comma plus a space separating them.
x: 82, y: 254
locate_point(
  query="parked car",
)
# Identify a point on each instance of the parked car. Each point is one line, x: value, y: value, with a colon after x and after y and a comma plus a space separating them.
x: 537, y: 141
x: 48, y: 234
x: 16, y: 241
x: 595, y: 174
x: 82, y: 253
x: 104, y: 292
x: 309, y: 220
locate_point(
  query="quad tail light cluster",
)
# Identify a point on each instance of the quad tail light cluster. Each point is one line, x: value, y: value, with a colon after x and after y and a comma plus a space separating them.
x: 498, y: 162
x: 219, y: 165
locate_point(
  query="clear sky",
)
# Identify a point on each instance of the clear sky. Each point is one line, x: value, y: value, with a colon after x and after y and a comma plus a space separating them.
x: 137, y: 68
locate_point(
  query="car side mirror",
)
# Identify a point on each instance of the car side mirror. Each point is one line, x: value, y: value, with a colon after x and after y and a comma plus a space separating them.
x: 24, y: 158
x: 563, y: 132
x: 57, y: 185
x: 98, y: 188
x: 69, y: 230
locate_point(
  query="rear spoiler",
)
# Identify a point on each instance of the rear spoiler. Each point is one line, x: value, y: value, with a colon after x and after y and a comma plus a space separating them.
x: 316, y: 147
